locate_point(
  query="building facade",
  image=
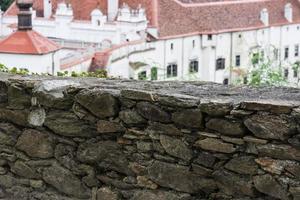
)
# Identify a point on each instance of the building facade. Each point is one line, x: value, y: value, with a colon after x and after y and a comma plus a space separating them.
x: 205, y: 40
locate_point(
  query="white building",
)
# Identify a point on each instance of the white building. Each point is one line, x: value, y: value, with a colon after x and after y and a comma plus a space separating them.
x: 27, y: 49
x: 207, y: 40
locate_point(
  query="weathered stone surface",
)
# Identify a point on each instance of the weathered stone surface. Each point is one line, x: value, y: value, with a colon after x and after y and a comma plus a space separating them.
x: 106, y: 154
x: 268, y: 185
x: 3, y: 92
x: 255, y: 140
x: 233, y: 184
x: 22, y: 169
x: 144, y: 182
x: 18, y: 97
x: 109, y: 127
x: 176, y: 147
x: 177, y: 100
x: 243, y: 165
x: 216, y: 145
x: 131, y: 117
x: 166, y: 129
x: 139, y: 95
x: 153, y: 112
x: 64, y: 181
x: 37, y: 117
x: 105, y: 193
x: 67, y: 124
x: 66, y: 156
x: 226, y: 127
x: 179, y: 178
x: 144, y: 146
x: 8, y: 134
x: 18, y: 117
x: 158, y: 195
x: 295, y: 191
x: 216, y: 107
x: 202, y: 171
x: 101, y: 103
x: 295, y: 141
x: 269, y: 105
x: 270, y: 127
x: 206, y: 159
x: 232, y: 140
x: 191, y: 118
x: 36, y: 144
x: 52, y: 93
x: 284, y: 152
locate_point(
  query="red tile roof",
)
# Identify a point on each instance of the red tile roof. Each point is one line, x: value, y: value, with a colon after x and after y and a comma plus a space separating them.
x: 27, y: 42
x: 175, y: 18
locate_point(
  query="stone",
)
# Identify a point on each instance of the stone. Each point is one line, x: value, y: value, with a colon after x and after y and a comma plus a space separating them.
x: 83, y: 113
x: 295, y: 191
x: 226, y: 127
x: 215, y: 145
x: 178, y: 100
x: 140, y: 95
x: 37, y: 117
x: 67, y: 124
x: 38, y: 184
x: 101, y: 103
x: 179, y: 178
x: 144, y: 182
x: 270, y: 127
x: 284, y: 152
x: 106, y: 154
x: 216, y: 107
x: 105, y: 193
x: 36, y: 144
x: 266, y: 184
x: 233, y: 184
x: 295, y: 141
x: 255, y: 140
x: 158, y: 195
x: 22, y: 169
x: 66, y: 156
x: 144, y: 146
x: 190, y: 118
x: 131, y: 118
x: 8, y: 181
x: 241, y: 113
x: 202, y: 171
x: 52, y: 93
x: 165, y: 129
x: 3, y: 92
x: 243, y: 165
x: 18, y: 97
x: 8, y: 134
x: 18, y: 117
x: 277, y: 166
x: 278, y: 107
x: 176, y: 147
x: 64, y: 181
x: 153, y: 112
x: 206, y: 159
x: 109, y: 127
x: 232, y: 140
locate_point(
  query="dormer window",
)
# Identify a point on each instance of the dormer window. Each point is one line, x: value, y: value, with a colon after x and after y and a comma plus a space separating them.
x: 288, y: 12
x: 264, y: 17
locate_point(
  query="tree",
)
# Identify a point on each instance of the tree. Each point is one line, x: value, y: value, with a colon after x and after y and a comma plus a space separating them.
x: 4, y: 4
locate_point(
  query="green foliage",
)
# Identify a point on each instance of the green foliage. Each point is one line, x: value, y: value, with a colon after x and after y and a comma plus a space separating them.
x: 96, y: 74
x: 154, y: 73
x: 4, y: 4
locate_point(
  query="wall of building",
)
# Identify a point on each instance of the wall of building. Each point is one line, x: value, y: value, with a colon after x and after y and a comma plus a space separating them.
x: 113, y: 139
x: 34, y: 63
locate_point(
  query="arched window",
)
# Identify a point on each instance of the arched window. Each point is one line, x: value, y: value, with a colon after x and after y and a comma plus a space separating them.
x: 194, y: 66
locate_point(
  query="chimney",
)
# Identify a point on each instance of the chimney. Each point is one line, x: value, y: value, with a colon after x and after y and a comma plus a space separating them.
x: 288, y: 12
x: 47, y: 9
x: 24, y: 16
x: 264, y: 16
x: 112, y: 10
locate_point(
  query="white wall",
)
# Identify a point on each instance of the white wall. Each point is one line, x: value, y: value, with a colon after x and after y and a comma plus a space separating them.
x: 34, y: 63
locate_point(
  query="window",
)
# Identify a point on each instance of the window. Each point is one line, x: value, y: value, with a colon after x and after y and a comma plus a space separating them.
x: 286, y: 53
x: 194, y: 44
x: 154, y: 74
x: 286, y: 73
x: 172, y: 70
x: 240, y: 35
x: 220, y: 63
x: 296, y: 50
x: 172, y: 46
x: 225, y: 81
x: 194, y: 66
x: 209, y: 37
x: 142, y: 75
x: 238, y: 60
x: 295, y: 72
x: 98, y: 22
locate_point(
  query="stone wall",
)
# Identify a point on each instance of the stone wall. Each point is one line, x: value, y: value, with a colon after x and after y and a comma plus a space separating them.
x: 68, y: 139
